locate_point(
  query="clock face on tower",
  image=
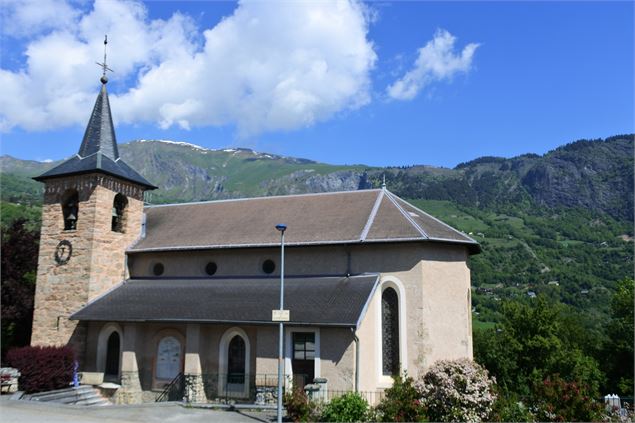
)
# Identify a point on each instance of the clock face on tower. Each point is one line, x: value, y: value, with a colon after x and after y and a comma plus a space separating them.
x: 63, y: 252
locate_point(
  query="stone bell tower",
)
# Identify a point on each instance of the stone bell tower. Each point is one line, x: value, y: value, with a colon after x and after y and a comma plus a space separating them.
x: 92, y: 211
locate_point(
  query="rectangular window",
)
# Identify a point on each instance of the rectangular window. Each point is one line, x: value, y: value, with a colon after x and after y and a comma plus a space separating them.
x: 304, y: 345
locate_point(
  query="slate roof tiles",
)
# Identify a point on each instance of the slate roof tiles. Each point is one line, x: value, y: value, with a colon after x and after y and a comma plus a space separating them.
x: 350, y: 217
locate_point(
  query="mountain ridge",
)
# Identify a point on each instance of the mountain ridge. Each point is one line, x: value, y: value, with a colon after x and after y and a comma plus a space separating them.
x: 591, y: 174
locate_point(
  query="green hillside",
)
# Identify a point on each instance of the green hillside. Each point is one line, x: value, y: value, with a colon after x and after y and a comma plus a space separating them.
x: 559, y: 224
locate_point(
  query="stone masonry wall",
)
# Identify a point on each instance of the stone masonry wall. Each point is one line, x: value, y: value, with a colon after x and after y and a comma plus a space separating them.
x: 98, y: 254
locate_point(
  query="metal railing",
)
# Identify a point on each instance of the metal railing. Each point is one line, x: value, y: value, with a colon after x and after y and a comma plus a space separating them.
x: 259, y: 389
x: 246, y: 388
x: 173, y: 391
x: 372, y: 397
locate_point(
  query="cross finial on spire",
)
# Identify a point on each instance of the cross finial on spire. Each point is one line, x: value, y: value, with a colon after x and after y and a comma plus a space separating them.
x: 383, y: 184
x: 103, y: 65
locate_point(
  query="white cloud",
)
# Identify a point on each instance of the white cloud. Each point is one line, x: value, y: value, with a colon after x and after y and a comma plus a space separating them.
x: 436, y: 61
x: 267, y: 67
x: 22, y: 18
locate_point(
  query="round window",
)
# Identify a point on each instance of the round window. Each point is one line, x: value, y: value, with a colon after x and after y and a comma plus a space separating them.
x: 211, y: 268
x: 158, y: 269
x: 268, y: 266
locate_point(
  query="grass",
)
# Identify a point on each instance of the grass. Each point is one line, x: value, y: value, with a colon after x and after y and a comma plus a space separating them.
x: 478, y: 325
x: 452, y: 215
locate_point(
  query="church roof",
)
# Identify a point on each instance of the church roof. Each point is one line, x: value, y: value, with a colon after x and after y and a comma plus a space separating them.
x: 98, y: 151
x: 319, y: 301
x: 352, y: 217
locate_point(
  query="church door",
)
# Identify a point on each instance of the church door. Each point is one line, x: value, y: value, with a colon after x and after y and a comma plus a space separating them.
x: 236, y: 366
x: 112, y: 357
x: 303, y: 359
x: 168, y: 358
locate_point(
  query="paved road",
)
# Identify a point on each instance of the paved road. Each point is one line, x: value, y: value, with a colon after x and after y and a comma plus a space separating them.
x: 34, y: 412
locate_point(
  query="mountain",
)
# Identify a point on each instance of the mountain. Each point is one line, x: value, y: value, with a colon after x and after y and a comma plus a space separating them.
x: 559, y: 224
x: 595, y: 175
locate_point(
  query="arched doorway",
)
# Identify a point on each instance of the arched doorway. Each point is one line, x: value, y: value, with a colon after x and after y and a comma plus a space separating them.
x: 233, y: 365
x: 168, y: 359
x: 111, y: 371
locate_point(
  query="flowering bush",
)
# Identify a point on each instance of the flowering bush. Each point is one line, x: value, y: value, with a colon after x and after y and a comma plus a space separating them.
x: 299, y: 407
x: 457, y: 390
x: 349, y: 407
x: 43, y: 368
x: 401, y: 403
x: 561, y: 401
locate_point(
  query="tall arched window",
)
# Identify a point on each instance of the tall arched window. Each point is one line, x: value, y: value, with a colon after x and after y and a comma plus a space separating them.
x: 236, y: 360
x: 390, y: 331
x: 118, y: 209
x: 70, y: 209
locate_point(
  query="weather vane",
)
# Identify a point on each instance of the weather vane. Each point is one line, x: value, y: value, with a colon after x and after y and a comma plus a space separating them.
x: 103, y: 65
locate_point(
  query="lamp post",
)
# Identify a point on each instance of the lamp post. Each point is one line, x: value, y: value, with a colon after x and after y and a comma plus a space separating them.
x: 281, y: 228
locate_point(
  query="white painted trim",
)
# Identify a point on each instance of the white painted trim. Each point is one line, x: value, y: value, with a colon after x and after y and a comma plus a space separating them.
x: 229, y: 200
x: 223, y: 360
x: 407, y: 216
x: 362, y: 315
x: 288, y: 351
x: 102, y: 346
x: 391, y: 282
x: 371, y: 217
x: 463, y: 234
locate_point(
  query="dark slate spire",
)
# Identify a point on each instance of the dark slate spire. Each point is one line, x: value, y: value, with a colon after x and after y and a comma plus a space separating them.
x: 100, y: 132
x: 98, y: 152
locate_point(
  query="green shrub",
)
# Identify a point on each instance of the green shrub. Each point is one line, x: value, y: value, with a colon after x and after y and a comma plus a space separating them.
x: 349, y: 407
x: 561, y: 401
x: 510, y: 408
x: 402, y: 402
x: 299, y: 407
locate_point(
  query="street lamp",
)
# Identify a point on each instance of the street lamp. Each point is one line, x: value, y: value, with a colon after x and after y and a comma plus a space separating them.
x: 281, y: 228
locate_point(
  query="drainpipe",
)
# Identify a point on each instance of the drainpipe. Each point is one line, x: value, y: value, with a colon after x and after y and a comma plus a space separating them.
x: 356, y: 359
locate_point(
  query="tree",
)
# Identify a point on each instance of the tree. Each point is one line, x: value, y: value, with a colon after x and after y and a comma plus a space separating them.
x: 530, y: 345
x: 619, y: 346
x: 19, y: 266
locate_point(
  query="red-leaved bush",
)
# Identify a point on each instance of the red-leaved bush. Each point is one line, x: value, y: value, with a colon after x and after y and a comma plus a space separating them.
x: 42, y: 368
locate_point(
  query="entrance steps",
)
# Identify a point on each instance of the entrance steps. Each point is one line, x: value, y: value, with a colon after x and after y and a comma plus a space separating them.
x: 82, y: 395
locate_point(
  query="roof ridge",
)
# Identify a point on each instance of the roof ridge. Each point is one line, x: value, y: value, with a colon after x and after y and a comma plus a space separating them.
x: 264, y: 197
x: 441, y: 222
x: 372, y: 215
x: 406, y: 215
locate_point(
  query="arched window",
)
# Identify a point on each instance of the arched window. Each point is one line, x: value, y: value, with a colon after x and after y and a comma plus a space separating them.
x: 233, y: 363
x: 236, y: 360
x: 118, y: 209
x: 390, y: 332
x: 70, y: 209
x: 112, y: 356
x: 168, y: 358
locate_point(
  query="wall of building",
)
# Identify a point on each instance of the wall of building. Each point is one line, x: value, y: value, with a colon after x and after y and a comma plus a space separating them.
x: 97, y: 262
x: 433, y: 280
x: 437, y: 316
x: 336, y: 351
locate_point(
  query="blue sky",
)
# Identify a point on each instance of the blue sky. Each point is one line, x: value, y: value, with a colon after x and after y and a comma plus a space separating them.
x: 390, y: 83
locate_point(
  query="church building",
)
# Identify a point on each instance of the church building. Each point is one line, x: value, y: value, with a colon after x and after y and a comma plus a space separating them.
x: 148, y: 293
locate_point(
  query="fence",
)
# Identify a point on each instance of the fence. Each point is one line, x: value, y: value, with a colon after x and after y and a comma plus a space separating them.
x: 259, y: 389
x: 372, y: 397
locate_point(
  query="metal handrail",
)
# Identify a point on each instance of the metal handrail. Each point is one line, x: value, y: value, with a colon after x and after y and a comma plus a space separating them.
x: 178, y: 383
